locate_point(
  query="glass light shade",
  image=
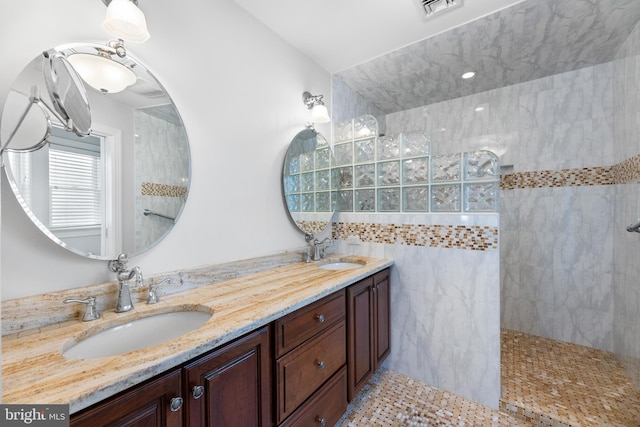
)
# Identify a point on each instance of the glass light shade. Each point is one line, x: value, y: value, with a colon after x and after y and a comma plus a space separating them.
x: 320, y: 114
x: 126, y: 21
x: 102, y: 73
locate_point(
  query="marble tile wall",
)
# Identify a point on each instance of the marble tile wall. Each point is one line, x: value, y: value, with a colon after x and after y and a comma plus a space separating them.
x: 626, y: 324
x: 348, y: 104
x: 556, y: 242
x: 158, y: 187
x: 445, y: 297
x: 527, y: 41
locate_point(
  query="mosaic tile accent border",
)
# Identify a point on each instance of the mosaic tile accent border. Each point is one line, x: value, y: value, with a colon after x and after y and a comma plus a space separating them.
x: 561, y: 178
x: 478, y: 238
x: 163, y: 190
x: 627, y: 171
x: 624, y: 172
x: 312, y: 227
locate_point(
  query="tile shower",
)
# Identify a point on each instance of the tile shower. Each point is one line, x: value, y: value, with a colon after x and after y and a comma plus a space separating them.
x: 568, y: 270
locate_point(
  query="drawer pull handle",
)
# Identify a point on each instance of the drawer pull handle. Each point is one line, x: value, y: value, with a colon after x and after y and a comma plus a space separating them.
x: 320, y: 318
x: 197, y: 391
x: 175, y: 404
x: 320, y: 364
x: 321, y: 420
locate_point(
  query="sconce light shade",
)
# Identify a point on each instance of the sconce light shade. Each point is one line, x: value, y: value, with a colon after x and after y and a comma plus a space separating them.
x: 102, y: 73
x: 125, y: 20
x: 319, y: 112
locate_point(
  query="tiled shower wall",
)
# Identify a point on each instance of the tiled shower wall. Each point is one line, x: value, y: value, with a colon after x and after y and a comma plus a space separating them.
x: 445, y: 294
x: 626, y: 325
x: 555, y: 225
x: 160, y: 186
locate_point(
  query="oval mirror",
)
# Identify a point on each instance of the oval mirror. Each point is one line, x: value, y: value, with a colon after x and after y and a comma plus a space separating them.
x: 309, y: 183
x: 118, y: 189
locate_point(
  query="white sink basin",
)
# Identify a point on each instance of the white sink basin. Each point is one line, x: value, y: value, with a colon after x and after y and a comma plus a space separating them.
x: 340, y: 265
x: 137, y: 334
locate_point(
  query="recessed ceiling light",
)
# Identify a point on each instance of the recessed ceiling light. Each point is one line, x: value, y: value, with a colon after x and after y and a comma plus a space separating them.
x: 478, y: 109
x: 468, y: 74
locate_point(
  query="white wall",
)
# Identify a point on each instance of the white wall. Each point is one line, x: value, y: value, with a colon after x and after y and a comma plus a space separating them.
x: 238, y: 87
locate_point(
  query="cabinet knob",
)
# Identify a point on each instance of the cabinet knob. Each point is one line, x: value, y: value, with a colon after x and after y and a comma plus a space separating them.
x: 320, y: 318
x: 197, y: 391
x: 175, y: 404
x: 320, y: 364
x: 320, y: 420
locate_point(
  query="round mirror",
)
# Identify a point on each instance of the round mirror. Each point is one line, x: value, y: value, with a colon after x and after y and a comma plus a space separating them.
x: 309, y: 183
x: 100, y: 185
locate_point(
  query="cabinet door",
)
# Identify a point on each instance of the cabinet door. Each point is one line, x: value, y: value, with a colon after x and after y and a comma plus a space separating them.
x: 231, y: 386
x: 147, y: 405
x: 360, y: 335
x: 382, y: 327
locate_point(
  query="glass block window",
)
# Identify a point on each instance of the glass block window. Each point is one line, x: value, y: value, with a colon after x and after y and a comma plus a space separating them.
x: 398, y: 173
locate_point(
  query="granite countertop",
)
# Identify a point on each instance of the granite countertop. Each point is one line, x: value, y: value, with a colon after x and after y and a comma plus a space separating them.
x: 35, y: 372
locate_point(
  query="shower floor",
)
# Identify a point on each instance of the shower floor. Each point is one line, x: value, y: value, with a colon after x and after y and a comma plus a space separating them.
x: 545, y: 383
x: 558, y: 384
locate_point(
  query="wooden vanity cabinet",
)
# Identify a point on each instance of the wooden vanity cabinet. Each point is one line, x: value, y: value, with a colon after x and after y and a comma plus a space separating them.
x: 147, y: 405
x: 320, y: 355
x: 311, y: 367
x: 368, y: 326
x: 231, y: 386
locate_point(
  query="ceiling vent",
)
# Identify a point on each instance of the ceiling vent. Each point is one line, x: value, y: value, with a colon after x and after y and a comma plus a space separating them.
x: 433, y: 7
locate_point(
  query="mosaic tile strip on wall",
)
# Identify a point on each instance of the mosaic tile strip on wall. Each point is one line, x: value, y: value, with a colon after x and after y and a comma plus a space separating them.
x: 435, y: 236
x: 621, y: 173
x: 397, y: 173
x: 163, y: 190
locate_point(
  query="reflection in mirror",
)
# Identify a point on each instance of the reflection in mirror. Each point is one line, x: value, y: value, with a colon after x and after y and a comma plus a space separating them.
x: 25, y: 128
x: 89, y: 193
x: 309, y: 183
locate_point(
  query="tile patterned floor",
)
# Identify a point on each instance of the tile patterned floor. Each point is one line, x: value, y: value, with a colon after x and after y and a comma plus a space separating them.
x: 545, y: 383
x: 392, y: 399
x: 557, y: 384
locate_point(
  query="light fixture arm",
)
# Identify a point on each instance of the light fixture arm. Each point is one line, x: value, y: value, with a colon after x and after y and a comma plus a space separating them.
x: 118, y: 46
x: 312, y: 100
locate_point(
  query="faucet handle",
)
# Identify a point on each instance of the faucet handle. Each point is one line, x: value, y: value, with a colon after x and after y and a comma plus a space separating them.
x: 153, y: 297
x: 91, y: 312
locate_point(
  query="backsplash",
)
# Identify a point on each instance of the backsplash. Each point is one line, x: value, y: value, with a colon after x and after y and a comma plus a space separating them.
x: 29, y: 314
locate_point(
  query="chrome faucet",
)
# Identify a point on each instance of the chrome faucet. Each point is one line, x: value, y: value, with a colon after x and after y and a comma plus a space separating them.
x: 319, y: 248
x: 120, y: 267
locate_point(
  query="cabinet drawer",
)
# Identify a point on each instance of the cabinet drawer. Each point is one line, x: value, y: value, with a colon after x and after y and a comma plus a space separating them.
x: 303, y: 370
x: 303, y: 324
x: 326, y: 407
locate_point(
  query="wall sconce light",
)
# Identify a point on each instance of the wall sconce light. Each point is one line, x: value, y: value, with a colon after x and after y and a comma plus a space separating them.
x: 319, y: 112
x: 100, y: 71
x: 125, y: 20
